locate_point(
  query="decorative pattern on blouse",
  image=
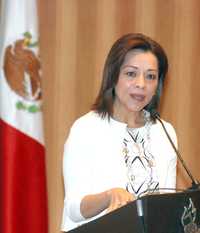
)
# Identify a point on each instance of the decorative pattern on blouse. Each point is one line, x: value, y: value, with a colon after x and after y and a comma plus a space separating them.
x: 140, y: 163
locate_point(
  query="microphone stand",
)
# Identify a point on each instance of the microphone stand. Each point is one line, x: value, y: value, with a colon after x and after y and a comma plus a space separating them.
x: 195, y: 185
x: 140, y: 213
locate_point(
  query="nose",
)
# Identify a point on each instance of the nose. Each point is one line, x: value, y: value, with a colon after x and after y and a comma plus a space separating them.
x: 140, y: 81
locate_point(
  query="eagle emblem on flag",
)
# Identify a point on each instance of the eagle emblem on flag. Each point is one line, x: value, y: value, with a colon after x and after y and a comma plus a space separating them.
x: 22, y: 70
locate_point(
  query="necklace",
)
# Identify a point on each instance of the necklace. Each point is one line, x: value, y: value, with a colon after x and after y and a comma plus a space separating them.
x: 138, y: 158
x: 139, y: 139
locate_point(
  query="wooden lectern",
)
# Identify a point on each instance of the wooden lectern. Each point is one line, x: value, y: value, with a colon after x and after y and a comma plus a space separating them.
x: 157, y: 213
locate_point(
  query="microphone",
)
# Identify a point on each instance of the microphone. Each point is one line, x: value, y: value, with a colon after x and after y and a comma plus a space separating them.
x: 195, y: 185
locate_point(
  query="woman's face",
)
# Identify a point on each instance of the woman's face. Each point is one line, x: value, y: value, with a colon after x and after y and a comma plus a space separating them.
x: 138, y: 81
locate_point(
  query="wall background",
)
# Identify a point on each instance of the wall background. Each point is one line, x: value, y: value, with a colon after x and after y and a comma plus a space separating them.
x: 75, y: 38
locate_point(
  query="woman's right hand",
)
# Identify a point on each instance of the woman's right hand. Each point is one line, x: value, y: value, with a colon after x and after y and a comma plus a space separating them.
x: 114, y: 198
x: 118, y: 197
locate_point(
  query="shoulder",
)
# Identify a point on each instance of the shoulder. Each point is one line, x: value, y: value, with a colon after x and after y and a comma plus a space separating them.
x: 167, y: 125
x: 158, y: 131
x: 88, y: 124
x: 88, y: 120
x: 157, y: 126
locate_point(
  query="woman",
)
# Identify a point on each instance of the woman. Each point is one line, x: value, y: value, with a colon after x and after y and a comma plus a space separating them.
x: 119, y: 150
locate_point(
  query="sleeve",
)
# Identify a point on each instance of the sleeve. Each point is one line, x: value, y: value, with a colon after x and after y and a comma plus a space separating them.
x: 172, y: 166
x: 76, y: 172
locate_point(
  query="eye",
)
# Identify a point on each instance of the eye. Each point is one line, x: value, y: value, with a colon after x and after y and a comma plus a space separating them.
x: 151, y: 76
x: 131, y: 74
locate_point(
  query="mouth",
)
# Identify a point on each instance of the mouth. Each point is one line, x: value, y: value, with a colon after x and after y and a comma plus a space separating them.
x: 138, y: 97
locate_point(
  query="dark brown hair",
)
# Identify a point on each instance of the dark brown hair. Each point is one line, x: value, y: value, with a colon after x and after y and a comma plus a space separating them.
x: 105, y: 99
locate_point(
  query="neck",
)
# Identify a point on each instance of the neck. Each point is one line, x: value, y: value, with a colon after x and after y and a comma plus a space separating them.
x: 132, y: 119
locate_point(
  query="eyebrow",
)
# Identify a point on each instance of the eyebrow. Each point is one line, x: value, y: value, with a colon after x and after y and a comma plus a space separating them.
x: 153, y: 70
x: 127, y: 66
x: 135, y: 67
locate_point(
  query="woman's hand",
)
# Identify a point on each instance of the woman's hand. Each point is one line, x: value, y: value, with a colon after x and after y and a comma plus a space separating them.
x: 118, y: 197
x: 91, y: 205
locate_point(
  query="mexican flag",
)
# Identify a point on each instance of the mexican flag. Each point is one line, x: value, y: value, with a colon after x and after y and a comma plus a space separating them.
x: 23, y: 193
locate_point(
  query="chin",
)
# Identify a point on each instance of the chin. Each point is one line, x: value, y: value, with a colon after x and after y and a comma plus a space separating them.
x: 135, y: 109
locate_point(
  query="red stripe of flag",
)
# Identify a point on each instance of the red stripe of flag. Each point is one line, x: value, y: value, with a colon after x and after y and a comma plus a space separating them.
x: 23, y: 199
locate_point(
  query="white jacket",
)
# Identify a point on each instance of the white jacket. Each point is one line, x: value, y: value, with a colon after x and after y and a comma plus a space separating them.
x: 93, y: 161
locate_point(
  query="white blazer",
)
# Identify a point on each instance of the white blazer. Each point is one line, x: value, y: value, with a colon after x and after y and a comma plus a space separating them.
x: 93, y: 161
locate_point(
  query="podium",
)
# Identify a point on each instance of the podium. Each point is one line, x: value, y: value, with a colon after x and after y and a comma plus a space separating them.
x: 157, y: 213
